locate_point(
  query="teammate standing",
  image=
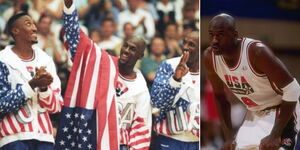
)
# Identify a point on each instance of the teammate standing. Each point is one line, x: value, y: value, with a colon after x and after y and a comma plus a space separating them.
x: 175, y: 94
x: 29, y: 90
x: 260, y: 80
x: 133, y: 97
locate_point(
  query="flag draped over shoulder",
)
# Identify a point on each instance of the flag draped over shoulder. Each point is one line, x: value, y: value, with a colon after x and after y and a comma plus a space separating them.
x: 88, y: 118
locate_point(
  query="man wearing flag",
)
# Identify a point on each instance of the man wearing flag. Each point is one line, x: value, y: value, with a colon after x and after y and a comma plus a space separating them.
x: 89, y: 117
x: 133, y: 98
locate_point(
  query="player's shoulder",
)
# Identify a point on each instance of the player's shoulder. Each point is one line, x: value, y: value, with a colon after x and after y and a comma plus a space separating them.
x: 207, y: 54
x: 208, y: 58
x: 42, y: 55
x: 258, y: 49
x: 139, y: 77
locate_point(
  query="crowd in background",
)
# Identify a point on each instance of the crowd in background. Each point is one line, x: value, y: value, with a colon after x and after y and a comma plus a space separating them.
x: 162, y: 23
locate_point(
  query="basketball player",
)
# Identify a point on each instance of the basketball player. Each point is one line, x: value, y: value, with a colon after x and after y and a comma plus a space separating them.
x: 257, y: 78
x: 132, y: 95
x: 29, y: 90
x: 175, y: 94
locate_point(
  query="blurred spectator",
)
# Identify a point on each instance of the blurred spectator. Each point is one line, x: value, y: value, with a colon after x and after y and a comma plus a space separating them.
x: 151, y: 63
x: 150, y: 8
x: 84, y: 6
x: 189, y: 14
x: 4, y: 4
x: 188, y: 28
x: 20, y: 6
x: 51, y: 7
x: 47, y: 40
x: 128, y: 31
x: 171, y: 38
x: 166, y: 12
x: 99, y: 11
x: 94, y: 35
x: 141, y: 19
x: 108, y: 41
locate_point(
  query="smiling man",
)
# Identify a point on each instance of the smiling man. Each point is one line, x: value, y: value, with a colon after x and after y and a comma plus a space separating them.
x: 29, y: 90
x: 133, y: 97
x: 100, y: 77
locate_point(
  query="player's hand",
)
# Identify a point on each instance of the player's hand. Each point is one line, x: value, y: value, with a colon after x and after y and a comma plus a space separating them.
x: 229, y: 145
x: 68, y: 3
x: 270, y: 143
x: 42, y: 79
x: 182, y: 69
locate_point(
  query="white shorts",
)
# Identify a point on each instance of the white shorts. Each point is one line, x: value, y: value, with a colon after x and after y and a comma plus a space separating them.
x: 258, y: 125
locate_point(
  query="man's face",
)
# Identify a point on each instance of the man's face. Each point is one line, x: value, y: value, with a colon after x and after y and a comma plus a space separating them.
x: 128, y: 30
x: 221, y: 37
x: 25, y: 29
x: 158, y: 46
x: 107, y: 28
x: 131, y: 51
x: 191, y: 44
x: 171, y: 31
x: 133, y: 4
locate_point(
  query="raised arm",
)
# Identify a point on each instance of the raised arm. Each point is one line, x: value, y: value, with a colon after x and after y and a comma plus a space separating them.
x: 264, y: 61
x: 222, y: 104
x: 71, y: 26
x: 167, y: 83
x: 12, y: 99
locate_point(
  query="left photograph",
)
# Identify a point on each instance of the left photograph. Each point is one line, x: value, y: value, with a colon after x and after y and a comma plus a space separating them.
x: 100, y: 74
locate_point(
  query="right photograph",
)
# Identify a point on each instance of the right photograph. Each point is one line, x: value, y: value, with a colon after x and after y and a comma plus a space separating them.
x: 250, y: 57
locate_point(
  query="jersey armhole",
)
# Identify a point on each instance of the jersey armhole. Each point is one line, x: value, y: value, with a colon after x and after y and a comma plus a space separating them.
x: 213, y: 62
x: 249, y: 62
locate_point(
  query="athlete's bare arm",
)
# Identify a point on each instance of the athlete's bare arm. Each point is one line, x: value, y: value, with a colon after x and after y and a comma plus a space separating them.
x: 264, y: 61
x: 223, y: 105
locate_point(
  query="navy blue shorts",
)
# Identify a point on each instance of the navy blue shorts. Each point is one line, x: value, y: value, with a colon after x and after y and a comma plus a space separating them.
x: 161, y: 142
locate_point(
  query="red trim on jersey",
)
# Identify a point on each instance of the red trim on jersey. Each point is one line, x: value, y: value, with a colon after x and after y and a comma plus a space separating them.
x: 213, y: 60
x: 28, y: 59
x: 127, y: 79
x: 249, y: 62
x: 275, y: 88
x: 240, y: 57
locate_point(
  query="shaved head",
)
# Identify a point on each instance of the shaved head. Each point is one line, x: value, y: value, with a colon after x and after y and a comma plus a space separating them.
x: 194, y: 34
x: 224, y: 21
x: 139, y: 41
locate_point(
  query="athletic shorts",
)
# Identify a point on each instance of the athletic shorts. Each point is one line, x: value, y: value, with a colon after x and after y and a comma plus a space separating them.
x: 258, y: 125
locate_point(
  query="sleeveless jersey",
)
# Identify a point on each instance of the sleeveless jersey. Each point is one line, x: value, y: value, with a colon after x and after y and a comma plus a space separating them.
x: 255, y: 90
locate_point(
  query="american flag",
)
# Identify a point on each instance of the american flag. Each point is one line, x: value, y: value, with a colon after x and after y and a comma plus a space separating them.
x: 88, y: 117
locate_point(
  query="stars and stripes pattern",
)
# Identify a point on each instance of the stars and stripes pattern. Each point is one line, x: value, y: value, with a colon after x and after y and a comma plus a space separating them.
x: 11, y: 100
x: 24, y: 117
x: 174, y: 117
x: 138, y: 136
x: 89, y: 104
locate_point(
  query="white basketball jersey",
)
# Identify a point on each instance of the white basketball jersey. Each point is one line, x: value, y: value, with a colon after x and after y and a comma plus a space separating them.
x: 255, y: 90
